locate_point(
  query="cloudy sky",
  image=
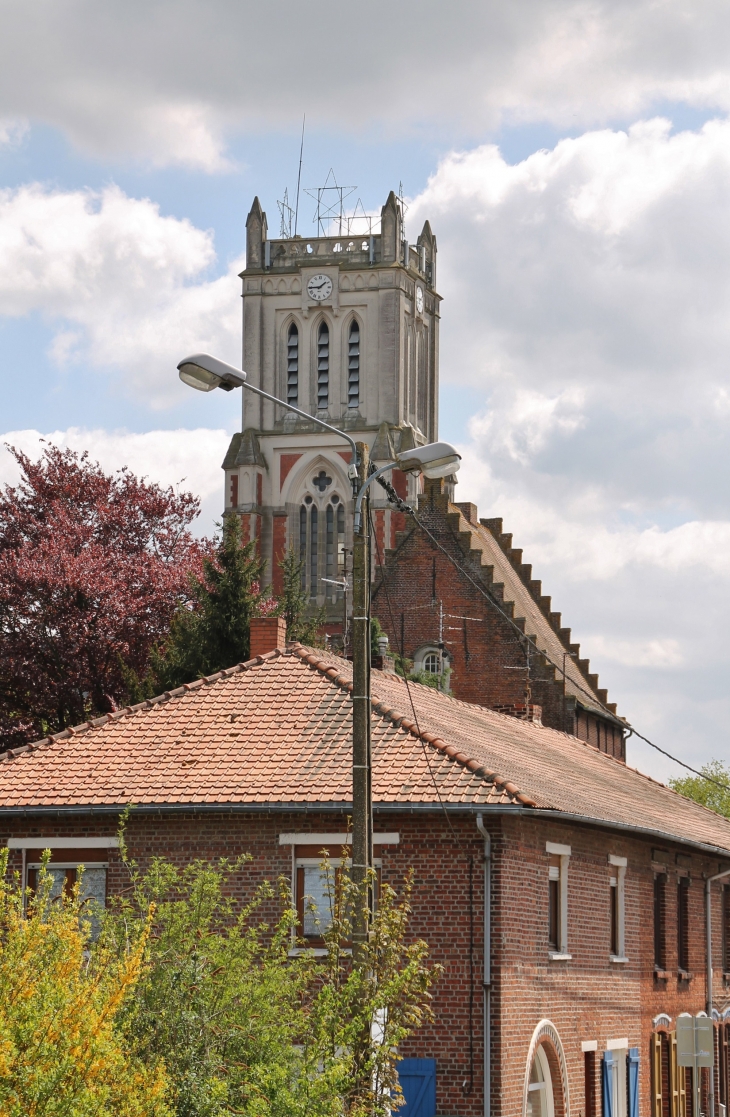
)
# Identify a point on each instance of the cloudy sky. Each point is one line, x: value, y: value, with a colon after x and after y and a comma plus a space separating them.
x: 574, y: 161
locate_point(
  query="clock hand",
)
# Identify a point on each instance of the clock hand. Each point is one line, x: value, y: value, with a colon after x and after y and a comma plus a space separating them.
x: 316, y: 286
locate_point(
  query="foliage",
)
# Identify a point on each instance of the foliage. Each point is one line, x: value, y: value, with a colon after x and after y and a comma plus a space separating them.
x: 376, y: 631
x: 243, y: 1027
x: 92, y: 568
x: 705, y: 792
x: 426, y: 678
x: 212, y: 633
x: 404, y: 668
x: 62, y: 1051
x: 294, y: 603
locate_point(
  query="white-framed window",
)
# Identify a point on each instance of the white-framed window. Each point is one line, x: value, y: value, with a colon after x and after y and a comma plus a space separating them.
x: 617, y: 888
x: 559, y: 856
x: 428, y: 658
x: 67, y: 856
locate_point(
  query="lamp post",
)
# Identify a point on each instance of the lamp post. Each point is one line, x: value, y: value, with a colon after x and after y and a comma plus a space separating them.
x: 438, y: 459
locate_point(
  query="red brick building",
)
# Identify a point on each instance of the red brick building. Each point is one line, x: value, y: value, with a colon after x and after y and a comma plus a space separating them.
x: 427, y: 601
x: 562, y: 891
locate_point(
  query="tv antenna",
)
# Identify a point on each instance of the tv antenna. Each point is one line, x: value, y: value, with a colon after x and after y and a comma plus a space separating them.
x: 299, y: 176
x: 330, y: 200
x: 287, y: 213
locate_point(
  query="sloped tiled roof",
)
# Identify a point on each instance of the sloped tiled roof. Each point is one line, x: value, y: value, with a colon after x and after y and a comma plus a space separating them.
x: 277, y: 731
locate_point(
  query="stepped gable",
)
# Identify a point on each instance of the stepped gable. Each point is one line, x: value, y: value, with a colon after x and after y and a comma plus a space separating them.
x: 276, y: 732
x: 530, y: 604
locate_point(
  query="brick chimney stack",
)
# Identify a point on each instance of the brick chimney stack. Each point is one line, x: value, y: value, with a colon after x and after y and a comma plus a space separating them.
x: 267, y: 634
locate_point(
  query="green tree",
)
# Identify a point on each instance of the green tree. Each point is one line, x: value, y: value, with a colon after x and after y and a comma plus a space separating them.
x: 213, y: 633
x: 705, y: 791
x: 64, y: 1051
x: 243, y: 1025
x: 301, y: 624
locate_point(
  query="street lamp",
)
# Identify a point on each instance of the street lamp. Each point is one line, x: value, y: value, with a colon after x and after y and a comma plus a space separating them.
x: 437, y: 459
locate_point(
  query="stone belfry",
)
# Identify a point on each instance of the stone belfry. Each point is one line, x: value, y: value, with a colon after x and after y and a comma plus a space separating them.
x: 345, y: 328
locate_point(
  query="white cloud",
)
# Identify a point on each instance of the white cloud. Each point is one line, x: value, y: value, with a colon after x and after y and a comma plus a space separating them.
x: 185, y: 459
x: 636, y: 653
x: 586, y: 292
x: 167, y: 81
x: 126, y: 288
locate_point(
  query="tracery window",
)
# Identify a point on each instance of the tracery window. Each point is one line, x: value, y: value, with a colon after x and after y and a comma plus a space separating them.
x: 322, y: 543
x: 353, y: 367
x: 292, y: 366
x: 323, y: 367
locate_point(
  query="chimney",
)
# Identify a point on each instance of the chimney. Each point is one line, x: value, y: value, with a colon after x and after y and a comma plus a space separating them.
x: 266, y: 635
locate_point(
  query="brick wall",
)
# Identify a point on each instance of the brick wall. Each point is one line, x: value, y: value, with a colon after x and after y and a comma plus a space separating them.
x: 586, y: 998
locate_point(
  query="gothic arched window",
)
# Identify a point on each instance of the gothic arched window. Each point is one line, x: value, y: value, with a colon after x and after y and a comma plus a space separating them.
x: 422, y: 383
x: 353, y: 367
x: 323, y: 367
x: 292, y: 366
x: 335, y: 546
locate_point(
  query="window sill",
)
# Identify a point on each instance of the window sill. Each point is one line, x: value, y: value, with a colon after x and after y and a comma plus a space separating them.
x: 661, y: 975
x: 618, y: 958
x: 555, y: 956
x: 684, y: 975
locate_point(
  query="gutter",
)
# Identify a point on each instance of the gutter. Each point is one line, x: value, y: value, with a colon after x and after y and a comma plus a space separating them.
x: 381, y: 808
x: 487, y: 976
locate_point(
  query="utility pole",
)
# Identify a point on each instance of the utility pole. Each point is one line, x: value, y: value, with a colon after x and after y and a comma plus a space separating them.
x: 362, y: 800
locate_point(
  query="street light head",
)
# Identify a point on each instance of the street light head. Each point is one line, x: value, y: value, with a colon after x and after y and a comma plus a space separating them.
x: 205, y: 373
x: 437, y: 459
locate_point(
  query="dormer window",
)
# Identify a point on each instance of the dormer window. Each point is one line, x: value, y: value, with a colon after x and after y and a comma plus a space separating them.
x: 323, y: 367
x: 353, y: 368
x: 292, y: 366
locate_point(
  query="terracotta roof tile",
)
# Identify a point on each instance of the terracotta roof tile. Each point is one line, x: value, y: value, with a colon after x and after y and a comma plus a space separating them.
x: 277, y: 730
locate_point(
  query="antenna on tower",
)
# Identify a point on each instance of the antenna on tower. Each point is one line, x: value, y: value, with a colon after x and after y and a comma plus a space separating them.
x: 287, y: 214
x: 299, y: 176
x: 403, y: 210
x: 330, y: 200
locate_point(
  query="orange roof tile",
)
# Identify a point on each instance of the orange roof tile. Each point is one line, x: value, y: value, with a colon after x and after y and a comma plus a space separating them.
x: 277, y: 730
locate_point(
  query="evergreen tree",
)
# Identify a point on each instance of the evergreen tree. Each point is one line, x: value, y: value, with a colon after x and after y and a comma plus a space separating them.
x: 214, y: 633
x: 293, y: 603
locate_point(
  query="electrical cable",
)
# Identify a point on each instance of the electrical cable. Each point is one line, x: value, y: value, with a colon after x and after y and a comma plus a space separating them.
x: 374, y: 535
x: 408, y: 510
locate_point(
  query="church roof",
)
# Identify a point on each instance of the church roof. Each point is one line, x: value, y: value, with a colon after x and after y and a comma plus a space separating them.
x: 276, y: 732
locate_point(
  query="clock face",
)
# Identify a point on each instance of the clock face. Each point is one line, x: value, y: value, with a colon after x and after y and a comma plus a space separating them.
x: 419, y: 299
x: 319, y: 288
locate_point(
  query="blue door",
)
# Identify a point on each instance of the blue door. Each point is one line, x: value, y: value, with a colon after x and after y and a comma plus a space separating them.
x: 418, y: 1083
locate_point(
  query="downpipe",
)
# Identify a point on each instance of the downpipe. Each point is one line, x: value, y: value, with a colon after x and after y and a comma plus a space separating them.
x: 487, y: 976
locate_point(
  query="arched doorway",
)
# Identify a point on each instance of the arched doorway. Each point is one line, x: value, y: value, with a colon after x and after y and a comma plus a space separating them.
x: 540, y: 1100
x: 546, y: 1078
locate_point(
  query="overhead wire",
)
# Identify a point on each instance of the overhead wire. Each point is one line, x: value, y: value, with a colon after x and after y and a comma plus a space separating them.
x: 402, y: 506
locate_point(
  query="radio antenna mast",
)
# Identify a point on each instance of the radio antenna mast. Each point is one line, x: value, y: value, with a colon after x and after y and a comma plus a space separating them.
x: 299, y: 176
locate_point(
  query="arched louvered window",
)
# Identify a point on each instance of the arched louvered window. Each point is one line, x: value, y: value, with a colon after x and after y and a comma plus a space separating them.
x: 313, y: 550
x: 292, y: 366
x: 323, y: 367
x: 335, y: 546
x: 353, y: 367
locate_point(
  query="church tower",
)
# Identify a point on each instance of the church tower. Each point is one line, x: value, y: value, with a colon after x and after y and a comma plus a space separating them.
x: 345, y: 328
